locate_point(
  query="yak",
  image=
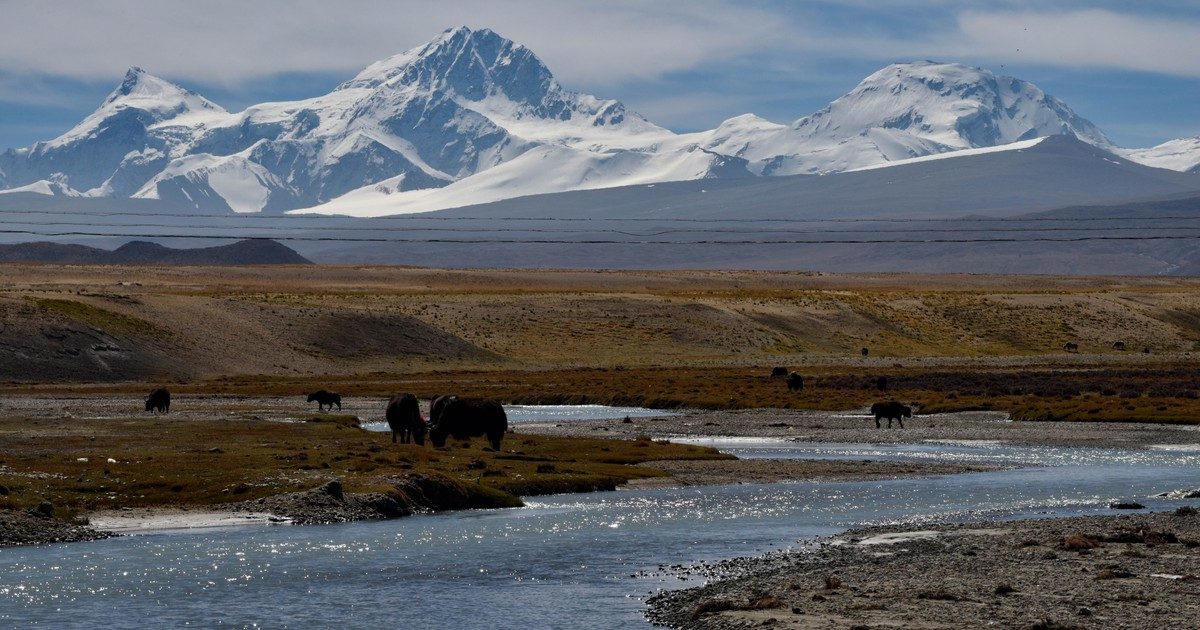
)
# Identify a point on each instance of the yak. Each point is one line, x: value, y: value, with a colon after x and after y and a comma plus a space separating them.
x: 463, y: 418
x: 779, y: 372
x: 1071, y: 346
x: 795, y: 382
x: 892, y: 411
x: 436, y: 404
x: 404, y: 418
x: 159, y: 400
x: 1119, y: 345
x: 326, y: 399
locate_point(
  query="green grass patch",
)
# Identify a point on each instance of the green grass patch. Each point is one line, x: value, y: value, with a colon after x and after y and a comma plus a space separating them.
x: 102, y: 319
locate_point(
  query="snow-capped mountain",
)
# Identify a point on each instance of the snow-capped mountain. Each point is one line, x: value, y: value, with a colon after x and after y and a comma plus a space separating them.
x: 1182, y: 154
x: 472, y: 117
x: 465, y: 102
x: 903, y: 111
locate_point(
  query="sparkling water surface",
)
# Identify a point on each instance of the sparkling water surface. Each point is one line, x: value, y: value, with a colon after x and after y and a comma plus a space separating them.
x: 525, y: 414
x: 562, y: 561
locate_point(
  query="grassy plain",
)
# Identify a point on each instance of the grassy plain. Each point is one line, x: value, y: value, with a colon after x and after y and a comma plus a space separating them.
x: 83, y: 465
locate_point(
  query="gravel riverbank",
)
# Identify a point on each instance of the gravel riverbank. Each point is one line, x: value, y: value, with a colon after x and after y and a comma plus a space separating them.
x: 1126, y: 571
x: 857, y: 426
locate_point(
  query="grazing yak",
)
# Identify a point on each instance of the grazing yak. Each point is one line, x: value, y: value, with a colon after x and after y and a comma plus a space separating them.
x: 881, y: 383
x: 159, y: 400
x: 779, y: 372
x: 436, y: 405
x: 326, y: 399
x: 404, y: 418
x: 892, y: 411
x: 795, y: 382
x: 463, y: 418
x: 865, y: 352
x: 1071, y: 346
x: 1119, y: 345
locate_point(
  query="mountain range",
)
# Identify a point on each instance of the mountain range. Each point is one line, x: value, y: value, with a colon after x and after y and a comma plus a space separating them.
x: 473, y: 118
x: 247, y: 252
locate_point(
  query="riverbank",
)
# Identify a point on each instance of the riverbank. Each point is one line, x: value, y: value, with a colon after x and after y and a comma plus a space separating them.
x: 66, y: 461
x: 1116, y: 571
x: 858, y: 426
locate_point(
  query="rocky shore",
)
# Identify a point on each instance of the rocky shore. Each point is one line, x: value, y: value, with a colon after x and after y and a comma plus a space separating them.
x: 1126, y: 571
x: 38, y: 527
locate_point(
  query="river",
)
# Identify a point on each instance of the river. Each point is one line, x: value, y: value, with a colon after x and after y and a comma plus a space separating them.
x: 579, y: 561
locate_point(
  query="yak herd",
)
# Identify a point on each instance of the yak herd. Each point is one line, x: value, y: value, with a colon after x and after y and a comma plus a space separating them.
x: 890, y: 410
x: 449, y: 416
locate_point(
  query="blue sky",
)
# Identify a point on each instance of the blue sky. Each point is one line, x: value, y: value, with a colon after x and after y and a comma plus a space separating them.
x: 1131, y: 68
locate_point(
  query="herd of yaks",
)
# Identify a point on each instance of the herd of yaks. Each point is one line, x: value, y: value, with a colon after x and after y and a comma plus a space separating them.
x: 465, y: 418
x: 891, y: 410
x: 449, y: 416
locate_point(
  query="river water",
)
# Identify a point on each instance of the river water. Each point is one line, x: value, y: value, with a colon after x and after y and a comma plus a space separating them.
x: 563, y: 561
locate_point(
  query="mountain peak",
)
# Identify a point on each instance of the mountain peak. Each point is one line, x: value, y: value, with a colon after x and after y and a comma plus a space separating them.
x: 495, y: 75
x: 951, y: 104
x: 473, y: 63
x: 164, y: 99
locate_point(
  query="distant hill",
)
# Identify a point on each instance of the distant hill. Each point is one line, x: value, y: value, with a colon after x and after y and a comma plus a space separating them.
x: 247, y: 252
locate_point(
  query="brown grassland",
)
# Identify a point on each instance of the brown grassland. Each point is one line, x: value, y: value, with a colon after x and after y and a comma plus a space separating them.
x: 660, y: 339
x: 657, y: 339
x: 84, y: 466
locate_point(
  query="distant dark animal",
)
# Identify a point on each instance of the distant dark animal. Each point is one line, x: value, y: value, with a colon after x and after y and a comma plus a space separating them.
x: 865, y: 352
x: 881, y: 383
x: 1071, y: 347
x: 159, y: 400
x: 1146, y: 350
x: 795, y: 382
x: 892, y: 411
x: 326, y: 399
x: 404, y: 418
x: 1119, y: 345
x: 779, y: 372
x: 463, y: 418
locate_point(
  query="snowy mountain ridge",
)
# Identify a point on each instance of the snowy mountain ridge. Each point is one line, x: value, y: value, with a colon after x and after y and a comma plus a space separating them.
x: 472, y: 117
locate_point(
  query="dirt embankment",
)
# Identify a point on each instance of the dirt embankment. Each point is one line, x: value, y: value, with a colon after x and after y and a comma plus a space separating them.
x: 1093, y: 572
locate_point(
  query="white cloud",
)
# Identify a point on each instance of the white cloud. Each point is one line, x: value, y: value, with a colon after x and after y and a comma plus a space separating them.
x: 232, y: 41
x: 1096, y: 39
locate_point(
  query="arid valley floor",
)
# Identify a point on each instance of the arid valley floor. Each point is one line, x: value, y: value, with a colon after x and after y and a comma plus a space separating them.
x: 978, y: 357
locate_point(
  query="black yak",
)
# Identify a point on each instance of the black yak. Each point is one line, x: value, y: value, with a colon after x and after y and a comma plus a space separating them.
x: 795, y: 382
x: 436, y: 404
x: 1119, y: 345
x: 404, y: 418
x: 159, y: 400
x: 463, y: 418
x: 1071, y: 346
x: 865, y: 352
x: 892, y: 411
x: 779, y: 372
x: 881, y: 383
x: 325, y: 399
